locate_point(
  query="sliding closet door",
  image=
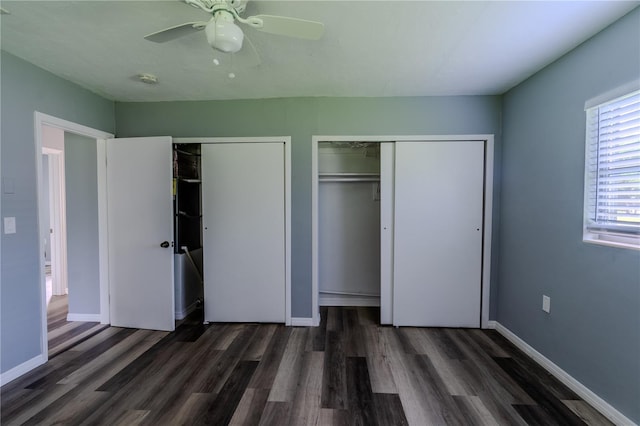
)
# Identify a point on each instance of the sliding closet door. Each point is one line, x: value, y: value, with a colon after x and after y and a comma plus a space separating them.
x: 243, y: 207
x: 438, y: 233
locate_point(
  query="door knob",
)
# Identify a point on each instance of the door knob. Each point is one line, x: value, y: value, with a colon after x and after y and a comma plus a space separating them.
x: 164, y: 244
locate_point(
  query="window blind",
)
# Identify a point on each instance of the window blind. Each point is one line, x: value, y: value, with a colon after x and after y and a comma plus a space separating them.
x: 613, y: 166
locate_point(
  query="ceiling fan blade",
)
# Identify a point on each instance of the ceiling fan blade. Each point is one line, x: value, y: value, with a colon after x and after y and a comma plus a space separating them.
x: 290, y: 27
x: 173, y: 33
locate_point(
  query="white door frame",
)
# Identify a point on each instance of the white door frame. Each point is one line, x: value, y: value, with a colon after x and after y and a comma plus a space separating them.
x: 386, y: 283
x: 57, y: 218
x: 287, y: 202
x: 40, y: 120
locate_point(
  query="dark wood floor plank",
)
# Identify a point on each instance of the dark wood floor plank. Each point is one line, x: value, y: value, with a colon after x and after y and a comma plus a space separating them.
x: 218, y: 370
x: 260, y: 342
x: 489, y: 373
x: 434, y: 393
x: 80, y: 360
x: 318, y: 335
x: 334, y: 381
x: 378, y: 362
x: 250, y: 408
x: 388, y: 410
x: 445, y: 358
x: 587, y: 413
x: 558, y: 389
x: 335, y: 319
x: 359, y: 392
x: 305, y: 409
x: 542, y: 396
x: 473, y: 412
x: 274, y: 413
x: 81, y: 328
x: 222, y: 408
x: 266, y: 372
x: 286, y: 380
x: 354, y: 345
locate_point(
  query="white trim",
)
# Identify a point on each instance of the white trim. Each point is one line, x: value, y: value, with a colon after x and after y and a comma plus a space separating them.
x: 487, y: 231
x: 21, y: 369
x: 287, y: 198
x: 581, y: 390
x: 182, y: 314
x: 315, y: 259
x: 40, y: 120
x: 303, y: 322
x: 84, y: 317
x: 609, y: 95
x: 387, y: 211
x: 488, y: 205
x: 103, y: 231
x: 491, y: 324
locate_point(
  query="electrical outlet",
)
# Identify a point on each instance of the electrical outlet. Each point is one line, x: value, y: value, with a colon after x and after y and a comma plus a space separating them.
x: 9, y: 225
x: 546, y: 303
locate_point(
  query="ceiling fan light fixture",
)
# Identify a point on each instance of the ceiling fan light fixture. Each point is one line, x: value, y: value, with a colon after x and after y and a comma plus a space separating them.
x: 223, y: 34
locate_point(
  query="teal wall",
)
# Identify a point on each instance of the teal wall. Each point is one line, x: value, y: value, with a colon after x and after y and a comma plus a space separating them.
x: 25, y: 89
x: 593, y: 330
x: 301, y: 118
x: 81, y: 184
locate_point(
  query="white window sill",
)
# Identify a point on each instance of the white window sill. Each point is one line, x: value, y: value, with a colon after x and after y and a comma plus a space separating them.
x: 632, y: 243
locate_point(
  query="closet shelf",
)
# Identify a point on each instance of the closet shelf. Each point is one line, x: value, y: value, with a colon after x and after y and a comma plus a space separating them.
x: 193, y: 154
x: 338, y: 174
x: 188, y: 216
x: 349, y: 177
x: 188, y: 180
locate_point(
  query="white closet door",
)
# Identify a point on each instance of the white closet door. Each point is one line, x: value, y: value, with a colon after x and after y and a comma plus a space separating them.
x: 438, y: 233
x: 140, y: 220
x: 243, y: 207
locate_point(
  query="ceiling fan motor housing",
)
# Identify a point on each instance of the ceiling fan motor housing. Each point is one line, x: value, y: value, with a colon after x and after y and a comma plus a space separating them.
x: 223, y: 34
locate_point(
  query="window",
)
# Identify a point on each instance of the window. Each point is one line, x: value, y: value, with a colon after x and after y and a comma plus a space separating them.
x: 612, y: 175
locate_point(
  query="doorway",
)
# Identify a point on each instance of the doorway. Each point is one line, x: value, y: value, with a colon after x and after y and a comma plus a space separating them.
x: 52, y: 207
x: 349, y: 223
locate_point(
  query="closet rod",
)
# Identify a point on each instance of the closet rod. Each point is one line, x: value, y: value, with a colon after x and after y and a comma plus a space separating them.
x: 349, y: 179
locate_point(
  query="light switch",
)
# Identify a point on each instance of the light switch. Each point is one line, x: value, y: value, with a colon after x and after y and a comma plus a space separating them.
x: 546, y: 303
x: 9, y: 225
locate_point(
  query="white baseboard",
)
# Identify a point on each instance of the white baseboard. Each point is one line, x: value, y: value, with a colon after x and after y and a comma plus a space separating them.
x: 19, y: 370
x: 302, y: 322
x: 581, y: 390
x: 84, y: 317
x: 344, y: 300
x: 180, y: 315
x: 492, y: 325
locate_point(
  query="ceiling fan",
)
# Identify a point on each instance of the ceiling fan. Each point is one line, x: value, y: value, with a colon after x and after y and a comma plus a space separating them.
x: 225, y: 36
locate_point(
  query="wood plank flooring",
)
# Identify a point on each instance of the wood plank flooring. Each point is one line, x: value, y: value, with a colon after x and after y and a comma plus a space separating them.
x: 348, y: 371
x: 63, y: 334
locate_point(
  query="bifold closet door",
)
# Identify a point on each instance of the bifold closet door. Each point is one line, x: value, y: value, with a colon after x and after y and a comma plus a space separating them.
x: 439, y: 190
x: 243, y: 208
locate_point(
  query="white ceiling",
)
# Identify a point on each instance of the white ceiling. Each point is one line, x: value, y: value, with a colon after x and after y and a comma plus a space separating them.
x: 370, y: 48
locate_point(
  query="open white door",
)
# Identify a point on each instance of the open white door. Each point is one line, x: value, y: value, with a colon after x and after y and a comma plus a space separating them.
x: 140, y: 221
x: 439, y: 190
x: 243, y: 209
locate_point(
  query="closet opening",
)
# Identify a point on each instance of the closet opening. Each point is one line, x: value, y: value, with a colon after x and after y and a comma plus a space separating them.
x: 349, y: 223
x: 187, y: 206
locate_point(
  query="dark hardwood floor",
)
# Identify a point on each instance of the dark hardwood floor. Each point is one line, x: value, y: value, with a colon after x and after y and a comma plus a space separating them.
x: 348, y: 371
x: 63, y: 334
